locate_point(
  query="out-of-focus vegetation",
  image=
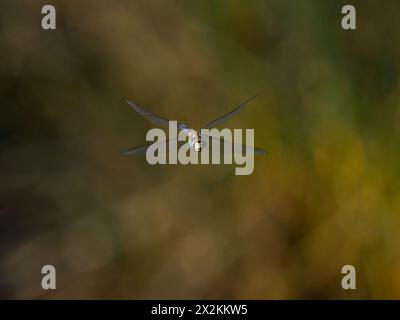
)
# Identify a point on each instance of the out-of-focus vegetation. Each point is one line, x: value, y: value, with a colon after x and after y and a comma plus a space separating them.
x: 328, y: 112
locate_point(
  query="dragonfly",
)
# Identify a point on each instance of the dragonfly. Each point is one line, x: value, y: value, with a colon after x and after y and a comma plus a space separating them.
x: 196, y: 140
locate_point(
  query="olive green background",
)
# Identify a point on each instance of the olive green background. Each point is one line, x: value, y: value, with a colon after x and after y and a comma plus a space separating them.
x: 326, y: 195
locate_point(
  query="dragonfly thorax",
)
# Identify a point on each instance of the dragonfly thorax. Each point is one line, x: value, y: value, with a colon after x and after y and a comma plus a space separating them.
x: 194, y: 138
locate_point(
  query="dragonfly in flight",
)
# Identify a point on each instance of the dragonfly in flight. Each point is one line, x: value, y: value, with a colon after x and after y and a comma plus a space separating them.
x: 194, y: 136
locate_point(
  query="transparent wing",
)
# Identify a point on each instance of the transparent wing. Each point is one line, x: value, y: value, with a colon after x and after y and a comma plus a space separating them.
x: 152, y: 117
x: 136, y: 150
x: 229, y: 115
x: 235, y: 147
x: 141, y: 150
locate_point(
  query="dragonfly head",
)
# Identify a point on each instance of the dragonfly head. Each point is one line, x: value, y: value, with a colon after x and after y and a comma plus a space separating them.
x: 195, y: 142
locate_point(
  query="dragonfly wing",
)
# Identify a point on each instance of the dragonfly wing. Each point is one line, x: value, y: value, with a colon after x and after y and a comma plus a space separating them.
x: 152, y: 117
x: 236, y: 147
x: 143, y: 149
x: 136, y: 150
x: 229, y: 115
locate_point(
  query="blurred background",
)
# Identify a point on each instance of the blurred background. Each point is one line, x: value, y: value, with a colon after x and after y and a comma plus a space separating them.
x: 328, y: 112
